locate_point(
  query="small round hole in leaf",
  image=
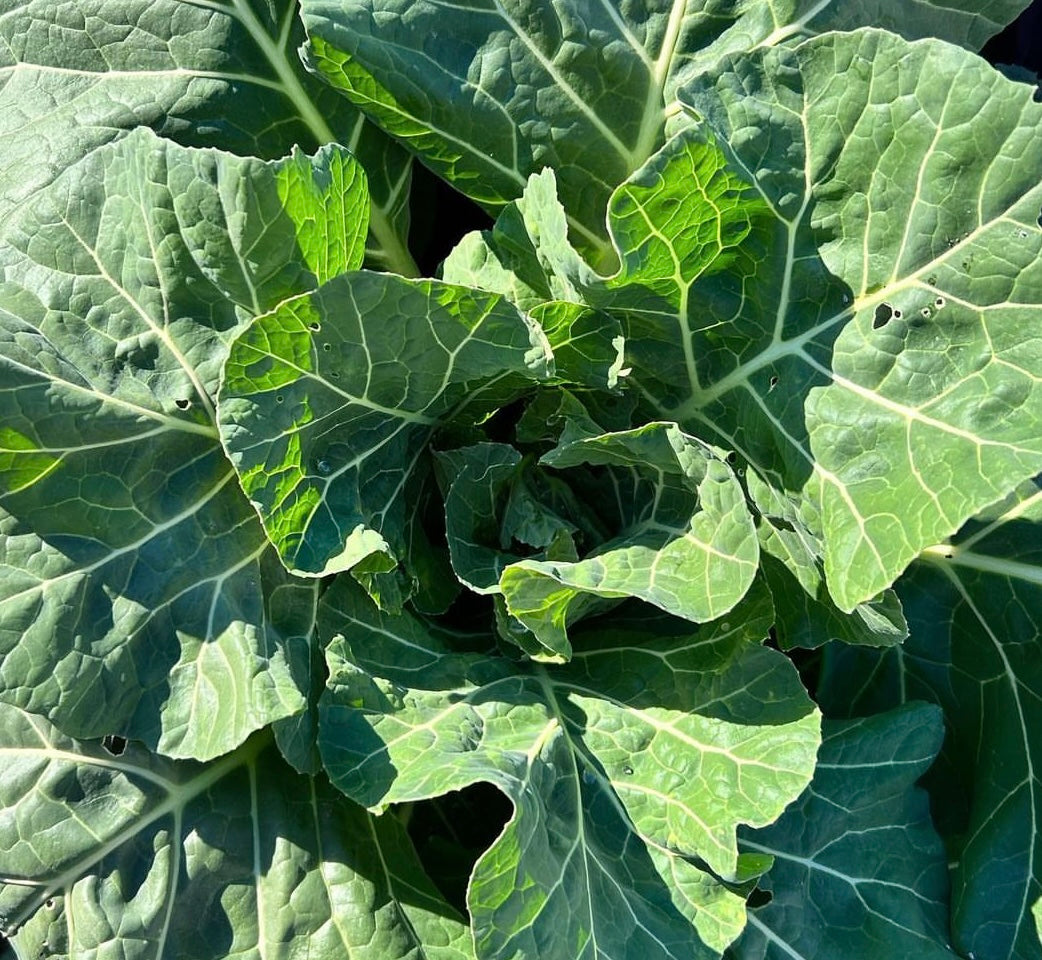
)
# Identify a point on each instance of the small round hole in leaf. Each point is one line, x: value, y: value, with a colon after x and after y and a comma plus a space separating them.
x: 182, y: 404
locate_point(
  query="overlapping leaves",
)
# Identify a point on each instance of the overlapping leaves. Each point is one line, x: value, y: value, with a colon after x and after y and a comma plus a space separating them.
x: 569, y: 506
x: 974, y: 607
x: 626, y: 767
x: 239, y: 856
x: 491, y: 91
x: 138, y: 593
x: 77, y: 74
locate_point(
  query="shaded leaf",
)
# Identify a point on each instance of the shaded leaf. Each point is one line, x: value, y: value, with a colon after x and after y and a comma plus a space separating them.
x: 240, y: 856
x: 974, y: 609
x: 859, y: 870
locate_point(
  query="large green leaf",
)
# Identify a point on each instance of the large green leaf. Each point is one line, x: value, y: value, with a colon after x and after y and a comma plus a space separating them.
x: 859, y: 871
x: 132, y: 855
x: 627, y: 768
x: 329, y: 402
x: 488, y: 92
x: 974, y: 608
x: 75, y: 74
x: 898, y: 266
x: 138, y: 594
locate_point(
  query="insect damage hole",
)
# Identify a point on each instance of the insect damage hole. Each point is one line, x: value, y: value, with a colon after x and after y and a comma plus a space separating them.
x: 882, y: 316
x: 114, y: 744
x: 183, y: 403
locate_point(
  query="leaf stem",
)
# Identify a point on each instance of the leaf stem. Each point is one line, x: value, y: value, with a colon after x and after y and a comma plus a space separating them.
x: 395, y: 253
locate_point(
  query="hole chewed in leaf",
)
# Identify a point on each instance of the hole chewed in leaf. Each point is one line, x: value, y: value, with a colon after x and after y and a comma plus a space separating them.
x: 114, y: 744
x: 452, y: 831
x: 183, y: 403
x: 882, y: 316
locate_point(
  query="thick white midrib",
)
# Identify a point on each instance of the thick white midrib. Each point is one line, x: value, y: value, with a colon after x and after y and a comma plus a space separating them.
x: 396, y: 255
x: 135, y: 75
x: 174, y: 423
x: 1014, y: 689
x: 161, y: 332
x: 258, y: 870
x: 797, y: 26
x: 769, y: 934
x: 654, y: 106
x: 960, y: 557
x: 179, y: 797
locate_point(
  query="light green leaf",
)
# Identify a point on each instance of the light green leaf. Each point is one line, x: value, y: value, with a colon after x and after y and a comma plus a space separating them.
x: 898, y: 266
x: 791, y: 560
x: 1036, y: 912
x: 137, y: 592
x: 644, y: 752
x: 974, y: 607
x: 527, y: 255
x: 76, y: 74
x: 328, y: 404
x: 133, y: 855
x: 859, y: 871
x: 685, y: 540
x: 488, y: 92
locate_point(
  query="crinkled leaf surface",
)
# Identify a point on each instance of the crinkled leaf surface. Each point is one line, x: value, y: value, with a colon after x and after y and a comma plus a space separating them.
x: 859, y: 871
x: 490, y: 91
x: 76, y: 74
x: 897, y: 266
x: 685, y: 539
x: 648, y: 749
x: 974, y: 609
x: 134, y: 855
x: 328, y: 404
x: 138, y: 594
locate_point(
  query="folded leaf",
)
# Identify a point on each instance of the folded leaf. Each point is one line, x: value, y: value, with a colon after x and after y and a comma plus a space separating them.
x: 329, y: 401
x: 685, y: 542
x: 240, y: 856
x: 642, y: 754
x: 974, y: 608
x: 859, y: 871
x: 137, y: 591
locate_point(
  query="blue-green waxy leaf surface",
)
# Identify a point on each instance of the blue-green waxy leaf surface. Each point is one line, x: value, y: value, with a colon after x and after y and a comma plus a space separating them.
x: 644, y: 752
x: 897, y: 270
x: 76, y: 74
x: 490, y: 91
x: 858, y: 870
x: 138, y: 594
x: 329, y: 402
x: 974, y: 606
x: 125, y: 854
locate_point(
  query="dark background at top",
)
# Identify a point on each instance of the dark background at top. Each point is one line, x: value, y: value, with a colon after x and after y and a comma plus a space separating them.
x: 435, y: 205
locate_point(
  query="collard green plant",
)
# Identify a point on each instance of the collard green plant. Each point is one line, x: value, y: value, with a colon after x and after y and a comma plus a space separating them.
x: 658, y: 513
